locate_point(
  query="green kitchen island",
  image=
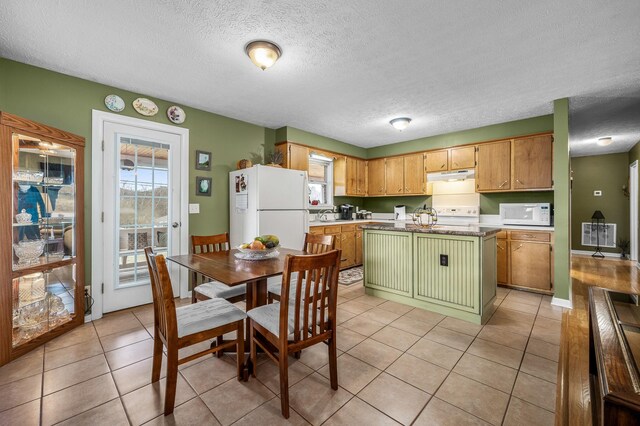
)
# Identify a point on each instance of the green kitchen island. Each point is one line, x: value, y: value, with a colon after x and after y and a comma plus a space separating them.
x: 446, y: 269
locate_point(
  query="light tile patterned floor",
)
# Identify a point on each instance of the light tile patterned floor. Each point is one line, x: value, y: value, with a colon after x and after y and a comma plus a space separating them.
x: 396, y: 365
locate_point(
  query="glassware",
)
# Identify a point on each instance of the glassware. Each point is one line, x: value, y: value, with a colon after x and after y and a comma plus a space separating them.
x: 28, y: 251
x: 23, y: 217
x: 28, y: 176
x: 31, y: 288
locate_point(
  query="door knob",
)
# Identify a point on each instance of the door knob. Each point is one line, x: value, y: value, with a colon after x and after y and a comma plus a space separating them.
x: 175, y: 224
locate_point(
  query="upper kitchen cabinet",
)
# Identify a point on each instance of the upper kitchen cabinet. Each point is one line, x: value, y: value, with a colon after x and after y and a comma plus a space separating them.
x: 294, y: 156
x: 437, y: 161
x: 532, y: 162
x: 376, y: 177
x: 461, y: 158
x: 350, y: 176
x: 394, y: 175
x: 493, y: 172
x: 41, y: 221
x: 361, y: 177
x: 414, y: 176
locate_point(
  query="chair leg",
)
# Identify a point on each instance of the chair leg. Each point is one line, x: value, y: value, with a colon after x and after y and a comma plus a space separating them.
x: 240, y: 350
x: 333, y: 361
x: 284, y: 382
x: 219, y: 342
x: 157, y: 358
x: 253, y: 353
x: 172, y: 380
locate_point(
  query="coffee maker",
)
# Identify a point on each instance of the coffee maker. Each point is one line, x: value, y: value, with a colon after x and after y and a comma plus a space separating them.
x: 346, y: 211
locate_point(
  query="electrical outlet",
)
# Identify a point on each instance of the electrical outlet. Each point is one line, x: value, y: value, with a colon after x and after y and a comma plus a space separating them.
x: 597, y: 193
x: 194, y: 208
x: 444, y: 260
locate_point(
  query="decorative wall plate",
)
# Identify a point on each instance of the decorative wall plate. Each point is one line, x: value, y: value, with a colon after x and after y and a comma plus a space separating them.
x: 176, y: 114
x: 145, y: 107
x: 114, y: 102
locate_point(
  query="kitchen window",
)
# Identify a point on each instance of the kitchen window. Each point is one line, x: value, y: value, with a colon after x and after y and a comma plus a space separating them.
x: 320, y: 181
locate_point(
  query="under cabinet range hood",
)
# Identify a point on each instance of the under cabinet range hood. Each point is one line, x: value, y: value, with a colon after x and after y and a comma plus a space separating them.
x: 453, y: 176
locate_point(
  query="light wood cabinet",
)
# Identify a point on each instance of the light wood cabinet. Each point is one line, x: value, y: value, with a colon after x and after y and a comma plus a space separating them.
x: 376, y: 177
x: 358, y: 247
x: 361, y: 177
x: 414, y: 174
x: 437, y: 161
x: 394, y: 176
x: 294, y: 156
x: 532, y: 162
x: 503, y: 259
x: 525, y: 260
x: 348, y: 247
x: 461, y: 158
x: 493, y: 172
x: 352, y: 176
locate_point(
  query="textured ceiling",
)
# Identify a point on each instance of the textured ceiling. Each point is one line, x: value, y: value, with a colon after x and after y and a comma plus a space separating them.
x: 348, y: 67
x: 594, y: 117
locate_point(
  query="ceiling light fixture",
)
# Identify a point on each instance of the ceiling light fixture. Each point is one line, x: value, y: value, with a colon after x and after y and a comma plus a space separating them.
x: 400, y: 123
x: 605, y: 141
x: 263, y: 53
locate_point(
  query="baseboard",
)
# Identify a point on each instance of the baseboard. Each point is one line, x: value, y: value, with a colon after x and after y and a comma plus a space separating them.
x: 589, y: 253
x: 563, y: 303
x: 87, y: 318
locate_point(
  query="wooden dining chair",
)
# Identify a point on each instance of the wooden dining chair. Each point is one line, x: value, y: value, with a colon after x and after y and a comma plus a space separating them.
x: 177, y: 328
x: 203, y: 287
x: 309, y: 318
x: 313, y: 244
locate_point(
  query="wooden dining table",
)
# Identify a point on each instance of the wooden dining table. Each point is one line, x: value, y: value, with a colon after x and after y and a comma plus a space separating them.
x: 226, y: 268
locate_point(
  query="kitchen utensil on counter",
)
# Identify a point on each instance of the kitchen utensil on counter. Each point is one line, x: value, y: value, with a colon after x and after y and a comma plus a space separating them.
x: 400, y: 212
x: 425, y: 216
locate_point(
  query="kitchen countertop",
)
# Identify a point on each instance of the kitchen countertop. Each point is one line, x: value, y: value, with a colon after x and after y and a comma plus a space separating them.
x: 467, y: 231
x: 391, y: 221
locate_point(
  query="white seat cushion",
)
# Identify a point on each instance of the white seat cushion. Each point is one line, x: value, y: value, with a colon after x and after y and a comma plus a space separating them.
x: 206, y: 315
x: 215, y: 289
x: 268, y: 316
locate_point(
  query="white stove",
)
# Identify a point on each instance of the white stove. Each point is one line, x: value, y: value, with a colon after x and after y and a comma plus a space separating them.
x: 458, y: 215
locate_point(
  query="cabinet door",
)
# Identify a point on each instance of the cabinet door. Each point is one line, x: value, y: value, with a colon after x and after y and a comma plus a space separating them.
x: 376, y: 174
x: 502, y: 253
x: 359, y: 247
x: 493, y: 172
x: 361, y: 177
x: 437, y: 161
x: 530, y: 264
x: 532, y: 158
x: 348, y: 247
x: 298, y: 158
x: 414, y: 174
x: 462, y: 158
x: 394, y: 175
x: 384, y: 252
x: 352, y: 176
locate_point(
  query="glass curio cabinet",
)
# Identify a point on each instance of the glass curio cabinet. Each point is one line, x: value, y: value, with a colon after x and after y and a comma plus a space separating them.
x: 41, y: 223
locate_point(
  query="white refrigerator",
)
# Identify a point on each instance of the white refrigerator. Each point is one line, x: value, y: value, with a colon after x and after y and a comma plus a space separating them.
x: 268, y: 200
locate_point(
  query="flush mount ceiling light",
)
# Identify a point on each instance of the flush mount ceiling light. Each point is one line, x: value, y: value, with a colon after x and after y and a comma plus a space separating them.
x: 605, y: 141
x: 263, y: 53
x: 400, y: 123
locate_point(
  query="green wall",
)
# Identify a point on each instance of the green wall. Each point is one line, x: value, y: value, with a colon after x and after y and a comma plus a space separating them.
x: 66, y: 102
x: 497, y: 131
x: 292, y: 134
x: 608, y: 173
x: 561, y: 197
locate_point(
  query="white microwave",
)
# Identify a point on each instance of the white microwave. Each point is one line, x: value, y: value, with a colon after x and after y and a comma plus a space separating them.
x: 537, y: 214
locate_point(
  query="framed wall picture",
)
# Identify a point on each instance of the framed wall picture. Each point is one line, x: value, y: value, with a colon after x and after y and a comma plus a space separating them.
x: 203, y: 186
x: 203, y: 160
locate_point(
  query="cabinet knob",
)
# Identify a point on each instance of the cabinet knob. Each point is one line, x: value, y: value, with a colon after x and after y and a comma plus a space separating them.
x: 443, y: 166
x: 518, y: 248
x: 503, y: 184
x: 518, y: 180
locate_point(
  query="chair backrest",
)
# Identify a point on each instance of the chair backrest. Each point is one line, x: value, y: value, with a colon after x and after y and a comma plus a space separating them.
x: 315, y: 294
x: 164, y: 308
x: 318, y: 243
x: 209, y: 243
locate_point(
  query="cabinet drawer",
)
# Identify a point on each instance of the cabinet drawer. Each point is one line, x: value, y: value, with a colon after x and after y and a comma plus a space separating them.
x: 543, y: 237
x: 316, y: 230
x: 501, y: 234
x: 334, y: 229
x: 348, y: 228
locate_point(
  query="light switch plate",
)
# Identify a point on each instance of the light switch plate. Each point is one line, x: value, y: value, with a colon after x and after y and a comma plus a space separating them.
x: 597, y: 193
x: 194, y: 208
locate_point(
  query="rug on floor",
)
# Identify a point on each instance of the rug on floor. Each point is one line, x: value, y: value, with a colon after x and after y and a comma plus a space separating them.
x: 351, y: 276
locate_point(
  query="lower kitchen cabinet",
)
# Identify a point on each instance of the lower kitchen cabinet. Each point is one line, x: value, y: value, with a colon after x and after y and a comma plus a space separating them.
x: 525, y: 260
x: 347, y: 238
x: 388, y: 262
x: 348, y: 247
x: 359, y: 247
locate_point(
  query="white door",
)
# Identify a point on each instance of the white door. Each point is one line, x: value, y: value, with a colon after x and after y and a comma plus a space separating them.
x: 288, y: 225
x: 141, y: 202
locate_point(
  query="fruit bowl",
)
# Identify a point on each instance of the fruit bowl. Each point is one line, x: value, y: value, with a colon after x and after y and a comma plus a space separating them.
x: 249, y: 254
